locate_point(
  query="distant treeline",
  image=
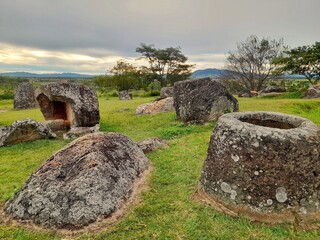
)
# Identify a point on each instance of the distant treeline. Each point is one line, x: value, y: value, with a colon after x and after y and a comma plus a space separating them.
x: 9, y: 84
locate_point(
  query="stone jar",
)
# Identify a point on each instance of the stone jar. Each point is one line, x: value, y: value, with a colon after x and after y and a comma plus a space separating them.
x: 264, y: 166
x: 202, y: 100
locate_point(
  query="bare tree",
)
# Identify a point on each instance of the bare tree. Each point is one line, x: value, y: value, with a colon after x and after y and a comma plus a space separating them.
x: 251, y: 63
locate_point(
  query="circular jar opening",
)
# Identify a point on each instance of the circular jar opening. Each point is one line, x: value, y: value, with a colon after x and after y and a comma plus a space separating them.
x: 271, y: 123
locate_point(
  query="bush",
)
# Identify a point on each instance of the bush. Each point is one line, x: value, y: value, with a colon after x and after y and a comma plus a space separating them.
x: 112, y: 93
x: 6, y: 95
x: 297, y: 86
x: 233, y: 86
x: 154, y: 93
x: 154, y: 86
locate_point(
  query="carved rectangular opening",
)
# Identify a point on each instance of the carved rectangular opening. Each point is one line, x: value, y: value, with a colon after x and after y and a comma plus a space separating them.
x: 62, y: 110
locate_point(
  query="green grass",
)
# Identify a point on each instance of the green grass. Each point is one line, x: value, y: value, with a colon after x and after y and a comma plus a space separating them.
x: 308, y: 108
x: 8, y: 115
x: 167, y: 210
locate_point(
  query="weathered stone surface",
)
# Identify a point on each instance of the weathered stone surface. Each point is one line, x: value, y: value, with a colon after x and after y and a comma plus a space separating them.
x: 24, y: 97
x: 163, y: 105
x: 80, y: 131
x: 57, y: 125
x: 90, y: 178
x: 271, y: 94
x: 273, y: 89
x: 202, y: 100
x: 254, y: 93
x: 77, y: 104
x: 166, y: 92
x: 152, y: 144
x: 264, y: 166
x: 125, y: 95
x: 24, y: 131
x: 245, y: 93
x: 313, y: 92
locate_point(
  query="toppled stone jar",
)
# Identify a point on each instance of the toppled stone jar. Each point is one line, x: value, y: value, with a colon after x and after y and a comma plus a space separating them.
x: 90, y: 179
x: 264, y: 166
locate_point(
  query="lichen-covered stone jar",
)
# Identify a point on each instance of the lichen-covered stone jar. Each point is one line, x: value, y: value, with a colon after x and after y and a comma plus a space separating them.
x: 264, y: 166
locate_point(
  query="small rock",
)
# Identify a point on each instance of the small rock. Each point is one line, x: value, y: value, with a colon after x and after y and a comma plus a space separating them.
x: 245, y: 93
x: 163, y: 105
x: 152, y: 144
x: 271, y: 94
x: 166, y: 92
x: 273, y: 89
x: 80, y: 131
x: 125, y: 95
x: 24, y: 131
x: 313, y: 92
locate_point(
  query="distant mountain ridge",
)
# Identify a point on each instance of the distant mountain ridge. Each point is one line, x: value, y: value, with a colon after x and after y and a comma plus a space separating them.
x: 45, y: 75
x: 201, y: 73
x: 215, y: 73
x: 209, y: 72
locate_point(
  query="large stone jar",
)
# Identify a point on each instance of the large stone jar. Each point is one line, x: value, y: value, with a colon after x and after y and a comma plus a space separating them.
x: 24, y: 97
x: 202, y: 100
x: 264, y: 166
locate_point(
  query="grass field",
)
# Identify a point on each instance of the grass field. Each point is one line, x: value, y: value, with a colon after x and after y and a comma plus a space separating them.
x: 166, y: 210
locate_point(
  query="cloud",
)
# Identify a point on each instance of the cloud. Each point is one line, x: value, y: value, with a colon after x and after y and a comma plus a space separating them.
x: 25, y: 57
x: 99, y: 30
x: 18, y: 58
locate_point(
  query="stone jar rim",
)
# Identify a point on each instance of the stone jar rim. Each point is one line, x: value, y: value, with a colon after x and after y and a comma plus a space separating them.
x: 298, y: 126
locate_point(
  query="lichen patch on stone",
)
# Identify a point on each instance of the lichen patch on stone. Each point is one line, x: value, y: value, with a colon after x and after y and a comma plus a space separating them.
x: 281, y: 194
x: 235, y: 158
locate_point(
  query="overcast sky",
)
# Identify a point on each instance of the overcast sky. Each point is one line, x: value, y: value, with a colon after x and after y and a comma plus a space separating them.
x: 88, y: 36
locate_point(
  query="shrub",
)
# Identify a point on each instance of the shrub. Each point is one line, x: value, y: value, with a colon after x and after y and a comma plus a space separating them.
x: 154, y: 93
x: 112, y: 93
x: 7, y: 95
x: 154, y: 86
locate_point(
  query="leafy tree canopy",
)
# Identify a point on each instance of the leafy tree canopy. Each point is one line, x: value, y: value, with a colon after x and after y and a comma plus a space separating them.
x: 304, y: 60
x: 165, y: 65
x: 124, y: 77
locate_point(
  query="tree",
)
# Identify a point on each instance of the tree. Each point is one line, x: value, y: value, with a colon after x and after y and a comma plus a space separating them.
x: 165, y: 65
x: 124, y: 77
x: 251, y: 63
x: 303, y: 60
x: 101, y: 83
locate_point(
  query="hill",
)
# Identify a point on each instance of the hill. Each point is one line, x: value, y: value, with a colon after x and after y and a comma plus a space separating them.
x: 209, y: 72
x: 214, y: 73
x: 45, y: 75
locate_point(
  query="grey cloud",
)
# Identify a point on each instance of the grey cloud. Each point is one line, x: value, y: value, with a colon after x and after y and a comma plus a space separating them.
x: 113, y: 27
